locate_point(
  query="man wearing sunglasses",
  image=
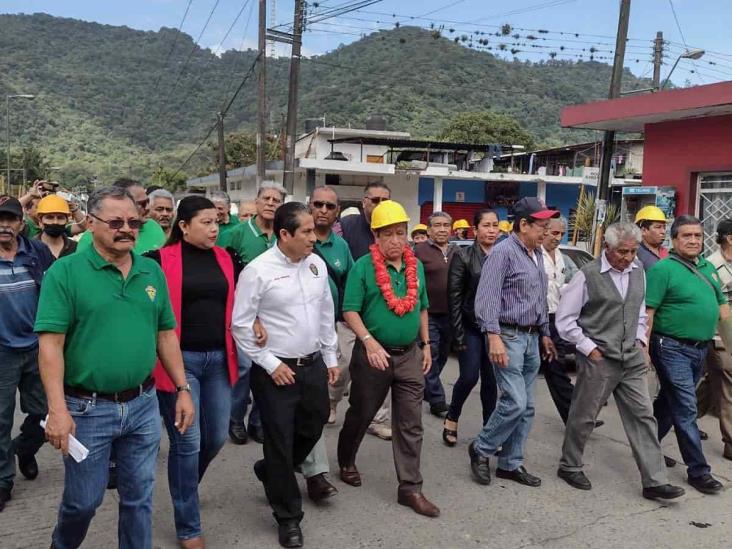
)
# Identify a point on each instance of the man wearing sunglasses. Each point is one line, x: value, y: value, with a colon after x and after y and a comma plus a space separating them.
x: 104, y: 319
x: 357, y: 233
x: 151, y: 235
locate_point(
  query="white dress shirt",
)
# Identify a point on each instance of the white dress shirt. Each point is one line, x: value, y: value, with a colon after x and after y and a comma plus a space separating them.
x: 556, y: 277
x: 294, y: 304
x: 574, y: 297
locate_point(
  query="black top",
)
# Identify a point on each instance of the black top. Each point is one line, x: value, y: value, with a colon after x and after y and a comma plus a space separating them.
x: 357, y: 233
x: 203, y: 314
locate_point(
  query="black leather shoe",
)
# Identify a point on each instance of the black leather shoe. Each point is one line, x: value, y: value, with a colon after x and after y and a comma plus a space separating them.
x: 259, y: 470
x: 703, y: 435
x: 319, y: 488
x: 4, y: 497
x: 665, y: 491
x: 670, y: 462
x: 599, y: 423
x: 706, y: 484
x: 289, y: 533
x: 28, y: 466
x: 112, y: 479
x: 440, y: 409
x: 520, y: 475
x: 576, y: 479
x: 238, y: 432
x: 479, y: 465
x: 256, y: 433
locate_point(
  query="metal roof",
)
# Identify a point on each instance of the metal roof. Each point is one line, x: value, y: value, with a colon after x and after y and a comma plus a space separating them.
x: 419, y: 144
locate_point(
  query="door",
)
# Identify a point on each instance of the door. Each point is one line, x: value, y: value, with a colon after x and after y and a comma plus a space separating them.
x: 715, y: 204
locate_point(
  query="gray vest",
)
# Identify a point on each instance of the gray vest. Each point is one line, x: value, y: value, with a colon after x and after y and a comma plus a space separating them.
x: 610, y: 321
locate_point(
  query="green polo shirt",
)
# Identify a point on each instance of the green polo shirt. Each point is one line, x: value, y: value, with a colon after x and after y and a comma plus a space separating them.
x: 31, y: 229
x: 224, y: 230
x: 249, y: 241
x: 111, y: 324
x: 338, y: 256
x: 364, y: 297
x: 685, y: 306
x: 150, y: 237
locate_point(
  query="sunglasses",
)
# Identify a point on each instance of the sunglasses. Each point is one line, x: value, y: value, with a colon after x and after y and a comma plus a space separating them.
x: 320, y: 204
x: 375, y: 199
x: 117, y: 224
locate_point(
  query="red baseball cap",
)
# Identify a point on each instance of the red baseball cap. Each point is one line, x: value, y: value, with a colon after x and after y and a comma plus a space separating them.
x: 532, y: 207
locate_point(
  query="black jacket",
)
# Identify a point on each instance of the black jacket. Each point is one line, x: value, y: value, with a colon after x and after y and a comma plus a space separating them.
x: 462, y: 283
x: 39, y: 258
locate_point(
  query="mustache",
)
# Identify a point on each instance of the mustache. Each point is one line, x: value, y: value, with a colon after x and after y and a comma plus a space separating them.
x: 124, y: 236
x: 4, y: 230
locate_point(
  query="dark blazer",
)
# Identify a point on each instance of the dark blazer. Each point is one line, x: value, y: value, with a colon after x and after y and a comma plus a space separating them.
x: 462, y: 283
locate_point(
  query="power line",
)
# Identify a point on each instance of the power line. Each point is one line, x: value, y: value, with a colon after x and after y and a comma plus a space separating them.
x: 172, y: 47
x: 678, y: 26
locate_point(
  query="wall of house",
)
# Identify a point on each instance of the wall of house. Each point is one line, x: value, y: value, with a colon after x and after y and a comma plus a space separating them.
x: 676, y: 152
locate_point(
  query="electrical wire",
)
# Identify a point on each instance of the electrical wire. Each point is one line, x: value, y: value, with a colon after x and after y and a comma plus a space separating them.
x: 172, y: 47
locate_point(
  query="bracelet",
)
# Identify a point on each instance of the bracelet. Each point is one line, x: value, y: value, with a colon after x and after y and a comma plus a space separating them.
x: 366, y: 338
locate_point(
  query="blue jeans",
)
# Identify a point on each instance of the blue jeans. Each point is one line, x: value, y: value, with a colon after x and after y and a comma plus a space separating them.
x: 133, y: 430
x: 440, y: 338
x: 240, y: 394
x: 474, y: 364
x: 510, y: 423
x: 679, y: 367
x: 192, y: 452
x: 19, y: 373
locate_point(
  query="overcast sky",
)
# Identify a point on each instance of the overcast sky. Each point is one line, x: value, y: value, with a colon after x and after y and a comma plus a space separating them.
x: 701, y: 24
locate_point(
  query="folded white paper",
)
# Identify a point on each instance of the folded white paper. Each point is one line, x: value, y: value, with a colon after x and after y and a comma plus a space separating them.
x: 76, y: 449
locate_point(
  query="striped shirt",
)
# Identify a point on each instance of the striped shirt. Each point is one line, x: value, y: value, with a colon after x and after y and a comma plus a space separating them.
x: 512, y: 288
x: 18, y: 301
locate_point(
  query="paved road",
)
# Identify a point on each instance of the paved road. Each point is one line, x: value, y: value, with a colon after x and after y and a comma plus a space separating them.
x: 504, y: 514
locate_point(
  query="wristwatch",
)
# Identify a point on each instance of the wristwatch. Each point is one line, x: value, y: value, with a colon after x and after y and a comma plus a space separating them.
x: 181, y: 388
x: 423, y: 344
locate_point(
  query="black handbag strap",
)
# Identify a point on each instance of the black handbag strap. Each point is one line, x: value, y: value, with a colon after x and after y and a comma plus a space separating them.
x: 693, y: 268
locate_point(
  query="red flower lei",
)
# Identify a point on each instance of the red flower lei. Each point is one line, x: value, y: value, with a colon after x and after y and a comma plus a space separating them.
x: 400, y: 305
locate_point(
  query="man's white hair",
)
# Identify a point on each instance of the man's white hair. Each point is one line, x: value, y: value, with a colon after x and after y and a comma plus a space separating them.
x: 621, y: 232
x: 272, y: 185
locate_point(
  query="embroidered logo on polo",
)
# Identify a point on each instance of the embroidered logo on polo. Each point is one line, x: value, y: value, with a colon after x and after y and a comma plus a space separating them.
x: 314, y: 269
x: 151, y: 292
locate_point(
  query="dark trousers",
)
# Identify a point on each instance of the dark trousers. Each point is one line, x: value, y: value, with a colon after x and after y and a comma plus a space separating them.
x: 714, y: 393
x: 474, y: 364
x: 556, y: 377
x: 440, y: 337
x: 369, y: 387
x: 293, y: 417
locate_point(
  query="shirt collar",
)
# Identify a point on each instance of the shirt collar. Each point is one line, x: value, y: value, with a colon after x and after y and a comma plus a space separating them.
x: 517, y: 241
x: 283, y: 258
x: 328, y: 241
x: 99, y: 263
x: 605, y: 265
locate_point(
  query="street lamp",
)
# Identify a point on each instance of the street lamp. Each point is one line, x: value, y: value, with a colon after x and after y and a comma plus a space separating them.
x: 7, y: 127
x: 688, y: 54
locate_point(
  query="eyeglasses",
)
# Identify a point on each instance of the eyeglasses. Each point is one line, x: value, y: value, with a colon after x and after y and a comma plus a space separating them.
x: 320, y: 204
x: 117, y: 224
x: 375, y: 199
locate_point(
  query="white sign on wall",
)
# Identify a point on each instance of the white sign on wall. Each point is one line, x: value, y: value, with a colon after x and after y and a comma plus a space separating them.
x: 459, y: 196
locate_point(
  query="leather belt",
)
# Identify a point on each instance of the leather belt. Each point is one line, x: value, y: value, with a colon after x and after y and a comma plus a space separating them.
x: 519, y: 328
x: 690, y: 342
x: 121, y: 396
x: 306, y: 360
x: 393, y: 350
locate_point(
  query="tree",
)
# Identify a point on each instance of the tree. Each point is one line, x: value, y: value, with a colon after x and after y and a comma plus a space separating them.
x: 486, y: 127
x: 240, y: 149
x: 168, y: 179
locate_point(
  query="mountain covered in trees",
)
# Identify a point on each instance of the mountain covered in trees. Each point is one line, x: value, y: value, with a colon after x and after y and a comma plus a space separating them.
x: 113, y: 100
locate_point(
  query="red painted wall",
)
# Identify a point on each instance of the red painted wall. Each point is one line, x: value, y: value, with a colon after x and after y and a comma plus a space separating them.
x: 675, y: 152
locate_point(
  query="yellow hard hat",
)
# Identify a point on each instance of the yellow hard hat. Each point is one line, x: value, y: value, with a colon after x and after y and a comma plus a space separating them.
x: 460, y: 224
x: 505, y: 226
x: 650, y: 213
x: 388, y: 213
x: 419, y: 227
x: 52, y: 204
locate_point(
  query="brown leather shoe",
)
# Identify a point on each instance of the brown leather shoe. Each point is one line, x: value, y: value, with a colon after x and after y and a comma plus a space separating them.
x: 192, y: 543
x: 419, y: 504
x: 350, y: 475
x: 319, y: 488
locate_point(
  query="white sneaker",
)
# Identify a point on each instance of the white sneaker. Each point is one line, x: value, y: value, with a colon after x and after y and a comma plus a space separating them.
x: 380, y: 430
x: 332, y: 415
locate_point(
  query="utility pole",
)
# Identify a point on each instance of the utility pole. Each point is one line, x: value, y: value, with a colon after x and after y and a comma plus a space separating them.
x: 657, y: 60
x: 291, y: 131
x: 222, y: 154
x: 262, y: 94
x: 608, y: 140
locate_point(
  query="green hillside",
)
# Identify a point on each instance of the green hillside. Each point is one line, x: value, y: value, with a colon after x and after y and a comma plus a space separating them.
x: 108, y: 104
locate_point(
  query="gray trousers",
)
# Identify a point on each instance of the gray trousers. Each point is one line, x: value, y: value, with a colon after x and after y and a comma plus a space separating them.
x: 596, y: 381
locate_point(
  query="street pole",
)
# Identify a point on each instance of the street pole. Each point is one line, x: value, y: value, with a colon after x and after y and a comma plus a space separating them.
x: 222, y: 154
x: 657, y: 60
x: 261, y: 95
x: 291, y: 130
x: 608, y: 140
x: 7, y: 140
